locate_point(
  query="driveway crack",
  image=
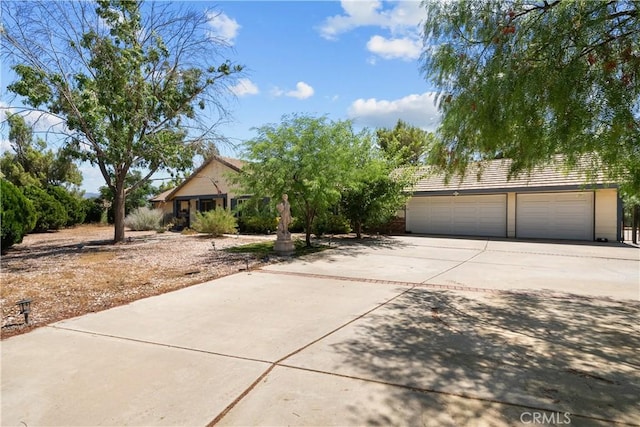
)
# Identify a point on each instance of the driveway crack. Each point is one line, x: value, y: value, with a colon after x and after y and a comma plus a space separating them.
x: 278, y: 362
x: 484, y: 249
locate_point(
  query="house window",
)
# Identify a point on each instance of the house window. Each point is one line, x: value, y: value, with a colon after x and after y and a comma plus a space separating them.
x: 236, y: 204
x: 207, y: 205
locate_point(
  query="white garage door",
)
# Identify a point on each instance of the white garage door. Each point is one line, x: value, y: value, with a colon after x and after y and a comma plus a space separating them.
x: 555, y: 216
x: 458, y: 215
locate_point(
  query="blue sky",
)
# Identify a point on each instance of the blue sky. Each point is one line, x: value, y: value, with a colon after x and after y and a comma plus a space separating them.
x: 355, y: 60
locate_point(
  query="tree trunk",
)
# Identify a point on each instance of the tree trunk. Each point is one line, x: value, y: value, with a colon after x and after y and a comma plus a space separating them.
x: 634, y: 224
x: 359, y: 229
x: 118, y: 213
x: 307, y: 236
x: 308, y: 220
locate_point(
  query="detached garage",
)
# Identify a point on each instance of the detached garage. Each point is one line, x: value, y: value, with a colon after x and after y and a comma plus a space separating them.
x: 547, y: 204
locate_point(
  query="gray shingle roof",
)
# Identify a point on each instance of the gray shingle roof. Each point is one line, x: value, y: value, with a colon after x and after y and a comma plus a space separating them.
x: 162, y: 197
x: 494, y: 178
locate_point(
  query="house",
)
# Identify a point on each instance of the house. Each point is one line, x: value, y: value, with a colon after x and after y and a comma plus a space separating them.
x: 548, y: 204
x: 207, y: 188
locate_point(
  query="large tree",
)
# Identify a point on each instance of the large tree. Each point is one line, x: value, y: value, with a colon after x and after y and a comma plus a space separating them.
x: 377, y: 190
x: 529, y: 80
x: 136, y: 198
x: 405, y: 144
x: 31, y: 163
x: 309, y: 158
x: 127, y: 79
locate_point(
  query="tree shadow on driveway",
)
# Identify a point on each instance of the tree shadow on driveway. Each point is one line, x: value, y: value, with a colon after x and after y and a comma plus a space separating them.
x: 510, y: 352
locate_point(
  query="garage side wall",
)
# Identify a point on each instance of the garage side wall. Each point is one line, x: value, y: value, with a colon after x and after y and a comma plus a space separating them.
x: 606, y: 214
x: 511, y: 214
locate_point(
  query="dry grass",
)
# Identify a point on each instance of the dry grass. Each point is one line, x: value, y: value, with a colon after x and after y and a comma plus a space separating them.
x: 78, y: 271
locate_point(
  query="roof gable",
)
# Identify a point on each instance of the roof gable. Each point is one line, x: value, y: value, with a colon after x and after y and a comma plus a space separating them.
x: 231, y: 163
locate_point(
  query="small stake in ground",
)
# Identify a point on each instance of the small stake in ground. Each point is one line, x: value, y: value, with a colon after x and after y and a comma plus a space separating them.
x: 25, y: 308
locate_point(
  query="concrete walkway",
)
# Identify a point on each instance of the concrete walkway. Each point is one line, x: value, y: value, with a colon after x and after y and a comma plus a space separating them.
x: 402, y: 331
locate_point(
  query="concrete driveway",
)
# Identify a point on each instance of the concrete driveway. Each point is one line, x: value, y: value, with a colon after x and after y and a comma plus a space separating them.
x: 400, y: 331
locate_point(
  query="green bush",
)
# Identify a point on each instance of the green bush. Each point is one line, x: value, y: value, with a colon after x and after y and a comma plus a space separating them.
x: 216, y: 222
x: 50, y: 214
x: 144, y: 219
x: 258, y: 224
x: 330, y: 223
x: 95, y: 211
x: 72, y: 204
x: 257, y: 217
x: 17, y: 214
x: 297, y: 225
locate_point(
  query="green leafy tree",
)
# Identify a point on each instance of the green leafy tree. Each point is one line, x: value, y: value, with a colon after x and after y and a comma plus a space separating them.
x: 308, y: 158
x: 171, y: 183
x: 17, y: 215
x: 30, y: 163
x: 529, y: 80
x: 405, y: 144
x: 127, y: 79
x: 378, y: 188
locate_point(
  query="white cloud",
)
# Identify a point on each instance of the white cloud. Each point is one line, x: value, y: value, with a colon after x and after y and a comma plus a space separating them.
x: 92, y: 178
x: 417, y: 110
x: 302, y: 91
x: 223, y: 27
x: 276, y: 91
x: 40, y: 121
x: 245, y: 87
x: 402, y: 18
x: 406, y: 48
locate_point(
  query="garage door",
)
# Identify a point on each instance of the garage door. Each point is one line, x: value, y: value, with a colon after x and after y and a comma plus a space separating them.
x: 555, y: 216
x: 458, y: 215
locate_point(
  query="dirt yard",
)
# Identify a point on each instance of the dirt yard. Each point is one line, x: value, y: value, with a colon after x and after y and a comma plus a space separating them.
x: 77, y: 271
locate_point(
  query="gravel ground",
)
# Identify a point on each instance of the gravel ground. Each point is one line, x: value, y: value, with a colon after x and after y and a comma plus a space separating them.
x: 77, y: 271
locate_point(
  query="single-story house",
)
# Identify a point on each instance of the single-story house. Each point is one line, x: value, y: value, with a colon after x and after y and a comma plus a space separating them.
x: 207, y: 188
x: 548, y: 204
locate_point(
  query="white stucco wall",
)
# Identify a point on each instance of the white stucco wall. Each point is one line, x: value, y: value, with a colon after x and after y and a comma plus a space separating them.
x: 212, y: 179
x: 511, y: 214
x: 606, y: 214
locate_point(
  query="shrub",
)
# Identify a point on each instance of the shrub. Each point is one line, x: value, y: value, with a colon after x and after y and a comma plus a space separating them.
x: 257, y: 217
x: 330, y: 223
x: 259, y: 224
x: 215, y: 222
x: 71, y: 203
x: 50, y: 214
x: 17, y: 214
x: 144, y: 219
x: 297, y: 225
x: 95, y: 211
